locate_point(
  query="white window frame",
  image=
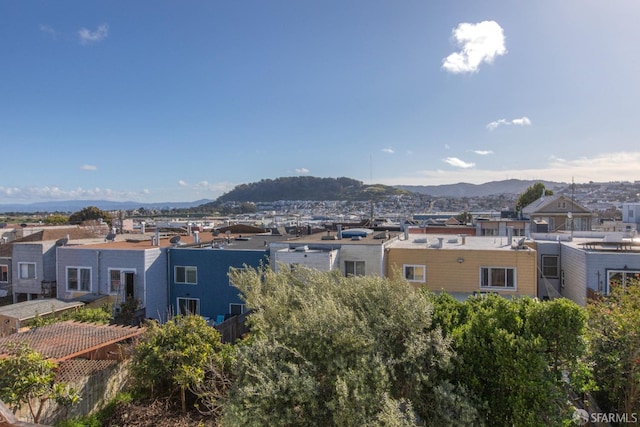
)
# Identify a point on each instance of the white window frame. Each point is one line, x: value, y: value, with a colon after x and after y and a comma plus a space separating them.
x: 355, y: 265
x: 79, y: 278
x: 187, y: 269
x: 4, y: 272
x: 242, y: 307
x: 623, y: 273
x: 22, y: 276
x: 410, y: 269
x: 196, y: 300
x: 557, y: 266
x: 490, y: 270
x: 121, y: 272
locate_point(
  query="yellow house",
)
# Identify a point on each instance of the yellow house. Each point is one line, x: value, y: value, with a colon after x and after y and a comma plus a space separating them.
x: 465, y: 265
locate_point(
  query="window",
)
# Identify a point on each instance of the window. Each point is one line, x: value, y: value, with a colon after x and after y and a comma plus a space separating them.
x: 4, y: 273
x: 622, y: 278
x: 186, y: 275
x: 79, y: 279
x: 188, y: 306
x: 354, y: 268
x: 236, y: 309
x: 27, y: 270
x: 114, y: 281
x: 550, y: 266
x: 415, y: 273
x: 498, y: 277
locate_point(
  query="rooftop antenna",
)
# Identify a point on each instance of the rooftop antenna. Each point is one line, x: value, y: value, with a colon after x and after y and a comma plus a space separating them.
x: 573, y: 188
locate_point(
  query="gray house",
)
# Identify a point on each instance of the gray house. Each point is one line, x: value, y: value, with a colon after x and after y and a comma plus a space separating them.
x: 121, y: 270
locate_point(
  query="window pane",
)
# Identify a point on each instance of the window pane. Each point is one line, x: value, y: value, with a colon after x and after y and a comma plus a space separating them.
x: 550, y: 266
x: 115, y: 280
x: 180, y: 275
x: 497, y: 277
x: 85, y: 279
x: 192, y: 275
x: 4, y: 273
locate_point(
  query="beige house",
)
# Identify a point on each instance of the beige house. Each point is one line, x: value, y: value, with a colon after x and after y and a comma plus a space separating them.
x: 551, y: 214
x: 465, y: 265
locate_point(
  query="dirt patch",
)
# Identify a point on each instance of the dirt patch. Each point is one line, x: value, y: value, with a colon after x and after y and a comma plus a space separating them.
x: 156, y: 414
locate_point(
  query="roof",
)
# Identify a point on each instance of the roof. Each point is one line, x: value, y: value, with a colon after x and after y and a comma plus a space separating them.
x: 449, y: 242
x: 69, y: 339
x: 331, y: 238
x: 29, y: 309
x: 545, y: 204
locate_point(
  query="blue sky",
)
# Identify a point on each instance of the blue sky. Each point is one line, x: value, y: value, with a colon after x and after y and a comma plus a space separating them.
x: 177, y: 101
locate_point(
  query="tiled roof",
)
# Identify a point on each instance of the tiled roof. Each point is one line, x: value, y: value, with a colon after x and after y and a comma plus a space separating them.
x: 66, y: 340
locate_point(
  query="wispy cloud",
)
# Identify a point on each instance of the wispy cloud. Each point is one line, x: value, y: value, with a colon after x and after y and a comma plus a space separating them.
x: 89, y: 167
x: 88, y: 37
x: 523, y: 121
x: 31, y: 194
x: 458, y: 163
x: 481, y: 42
x: 483, y: 152
x: 302, y: 171
x: 182, y: 183
x: 388, y: 150
x: 447, y: 147
x: 49, y: 30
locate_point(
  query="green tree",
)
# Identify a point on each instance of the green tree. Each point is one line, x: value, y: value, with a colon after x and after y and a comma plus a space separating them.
x: 26, y: 377
x: 614, y: 338
x: 174, y: 357
x: 507, y: 354
x: 90, y: 213
x: 531, y: 194
x: 332, y: 350
x: 56, y: 219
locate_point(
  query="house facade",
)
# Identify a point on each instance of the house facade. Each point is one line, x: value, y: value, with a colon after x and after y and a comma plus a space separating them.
x: 122, y: 271
x: 464, y: 266
x: 551, y: 214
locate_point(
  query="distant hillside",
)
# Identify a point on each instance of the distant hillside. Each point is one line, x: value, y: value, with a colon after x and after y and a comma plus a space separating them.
x: 105, y: 205
x: 509, y: 186
x: 306, y: 188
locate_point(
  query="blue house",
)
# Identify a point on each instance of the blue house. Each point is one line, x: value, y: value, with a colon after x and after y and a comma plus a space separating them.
x: 199, y: 276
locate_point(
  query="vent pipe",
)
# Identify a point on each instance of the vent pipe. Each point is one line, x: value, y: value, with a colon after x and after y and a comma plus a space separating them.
x: 440, y: 240
x: 157, y: 236
x: 509, y: 236
x: 196, y: 237
x: 142, y: 227
x: 339, y: 231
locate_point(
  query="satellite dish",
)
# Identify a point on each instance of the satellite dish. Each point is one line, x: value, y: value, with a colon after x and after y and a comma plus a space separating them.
x: 111, y: 237
x: 61, y: 242
x: 175, y: 240
x: 570, y: 215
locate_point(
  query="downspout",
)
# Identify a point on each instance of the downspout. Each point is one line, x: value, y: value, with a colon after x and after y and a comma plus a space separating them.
x: 168, y: 289
x: 98, y: 253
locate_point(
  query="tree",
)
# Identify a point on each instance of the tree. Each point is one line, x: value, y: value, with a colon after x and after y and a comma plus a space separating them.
x: 332, y: 350
x: 56, y: 219
x: 174, y: 357
x: 90, y: 213
x: 531, y: 194
x: 507, y: 354
x: 26, y: 377
x: 614, y: 338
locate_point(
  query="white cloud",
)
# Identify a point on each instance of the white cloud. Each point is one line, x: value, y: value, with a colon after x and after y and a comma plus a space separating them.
x: 621, y: 166
x: 479, y: 43
x: 388, y: 150
x: 89, y: 167
x: 447, y: 147
x: 302, y: 171
x: 87, y: 36
x: 49, y: 30
x: 483, y: 152
x: 456, y: 162
x: 523, y: 121
x: 182, y: 183
x: 34, y: 194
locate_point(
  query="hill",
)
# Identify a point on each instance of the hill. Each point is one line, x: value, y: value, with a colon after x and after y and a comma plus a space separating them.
x: 462, y: 189
x: 307, y: 188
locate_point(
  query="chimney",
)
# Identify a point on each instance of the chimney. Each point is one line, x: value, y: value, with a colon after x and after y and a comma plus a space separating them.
x: 157, y: 236
x: 463, y: 238
x: 440, y: 240
x: 339, y: 231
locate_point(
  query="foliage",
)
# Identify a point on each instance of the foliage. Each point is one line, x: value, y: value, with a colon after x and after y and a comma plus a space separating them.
x: 333, y: 350
x: 306, y: 188
x: 56, y: 219
x: 101, y: 315
x: 614, y: 333
x: 26, y: 377
x: 99, y: 418
x: 127, y: 311
x: 531, y: 194
x: 89, y: 213
x: 509, y: 352
x: 174, y: 357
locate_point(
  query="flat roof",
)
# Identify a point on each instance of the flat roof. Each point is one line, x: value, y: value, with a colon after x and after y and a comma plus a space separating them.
x: 451, y: 242
x: 29, y: 309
